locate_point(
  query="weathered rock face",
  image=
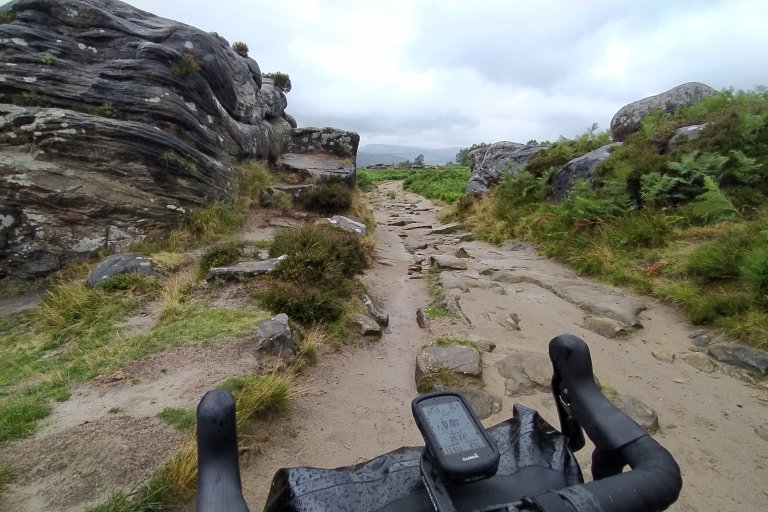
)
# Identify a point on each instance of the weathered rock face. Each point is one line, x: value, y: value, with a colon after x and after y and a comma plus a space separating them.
x: 115, y: 122
x: 322, y: 154
x: 581, y: 168
x: 628, y: 119
x: 490, y: 162
x: 323, y: 140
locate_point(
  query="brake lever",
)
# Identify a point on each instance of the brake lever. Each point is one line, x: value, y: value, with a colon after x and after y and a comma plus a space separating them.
x: 569, y: 425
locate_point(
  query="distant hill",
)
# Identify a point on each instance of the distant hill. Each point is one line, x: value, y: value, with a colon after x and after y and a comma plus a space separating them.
x: 372, y: 154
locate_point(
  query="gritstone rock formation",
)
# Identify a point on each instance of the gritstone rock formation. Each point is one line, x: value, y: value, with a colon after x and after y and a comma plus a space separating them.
x: 115, y: 122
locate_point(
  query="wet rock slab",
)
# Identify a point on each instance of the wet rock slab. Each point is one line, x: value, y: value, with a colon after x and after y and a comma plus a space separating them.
x: 740, y: 355
x: 243, y: 270
x: 592, y: 298
x: 127, y: 263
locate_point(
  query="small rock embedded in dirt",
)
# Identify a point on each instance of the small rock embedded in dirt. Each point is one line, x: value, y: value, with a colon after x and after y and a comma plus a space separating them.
x: 397, y: 223
x: 367, y: 325
x: 486, y: 345
x: 275, y: 335
x: 415, y: 247
x: 700, y: 339
x: 700, y: 361
x: 243, y: 270
x: 664, y: 356
x: 128, y: 263
x: 462, y: 253
x: 637, y: 410
x: 762, y: 432
x: 421, y: 319
x: 511, y: 322
x: 381, y: 317
x: 458, y: 359
x: 448, y: 261
x: 482, y: 402
x: 525, y: 372
x: 606, y: 327
x: 740, y: 355
x: 417, y: 226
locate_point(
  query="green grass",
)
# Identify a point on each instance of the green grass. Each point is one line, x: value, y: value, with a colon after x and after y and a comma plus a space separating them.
x: 446, y: 341
x: 98, y: 349
x: 175, y: 483
x: 435, y: 312
x: 183, y: 419
x: 446, y: 183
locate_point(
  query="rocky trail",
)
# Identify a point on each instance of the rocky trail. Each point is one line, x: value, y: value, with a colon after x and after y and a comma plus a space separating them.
x: 355, y: 404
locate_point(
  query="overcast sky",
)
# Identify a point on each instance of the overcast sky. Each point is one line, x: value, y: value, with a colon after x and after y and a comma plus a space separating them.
x: 441, y: 73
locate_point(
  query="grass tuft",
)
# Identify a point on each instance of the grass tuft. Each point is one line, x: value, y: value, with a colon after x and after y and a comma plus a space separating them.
x: 183, y: 419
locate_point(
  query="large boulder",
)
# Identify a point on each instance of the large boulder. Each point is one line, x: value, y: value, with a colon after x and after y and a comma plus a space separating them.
x: 580, y: 168
x: 628, y: 119
x: 115, y: 122
x: 490, y: 162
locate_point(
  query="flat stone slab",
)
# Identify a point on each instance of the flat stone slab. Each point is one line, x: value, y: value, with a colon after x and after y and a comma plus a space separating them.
x: 740, y: 355
x: 448, y: 261
x: 410, y: 227
x: 592, y: 298
x: 126, y: 263
x: 348, y: 224
x: 243, y: 270
x: 446, y: 229
x: 320, y: 166
x: 700, y: 361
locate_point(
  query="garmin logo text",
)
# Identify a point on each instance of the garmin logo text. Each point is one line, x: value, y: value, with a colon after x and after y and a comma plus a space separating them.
x: 471, y: 457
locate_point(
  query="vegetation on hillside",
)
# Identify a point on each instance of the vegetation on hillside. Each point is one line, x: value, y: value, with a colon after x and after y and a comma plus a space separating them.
x: 446, y: 183
x: 687, y: 222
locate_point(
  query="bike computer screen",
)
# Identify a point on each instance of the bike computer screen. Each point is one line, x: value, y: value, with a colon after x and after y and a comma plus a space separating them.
x: 456, y: 440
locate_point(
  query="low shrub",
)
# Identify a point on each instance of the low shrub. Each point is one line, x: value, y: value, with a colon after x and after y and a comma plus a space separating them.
x: 240, y: 48
x: 254, y: 178
x: 107, y: 109
x: 755, y: 269
x: 215, y: 219
x: 220, y: 254
x: 719, y: 259
x: 187, y: 67
x: 328, y: 199
x: 282, y: 80
x: 318, y: 253
x: 304, y: 303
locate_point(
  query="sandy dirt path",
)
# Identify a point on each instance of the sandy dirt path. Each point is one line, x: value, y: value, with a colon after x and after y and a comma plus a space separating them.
x: 356, y: 405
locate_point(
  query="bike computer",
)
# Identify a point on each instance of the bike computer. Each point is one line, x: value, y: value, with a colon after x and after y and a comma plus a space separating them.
x: 457, y: 443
